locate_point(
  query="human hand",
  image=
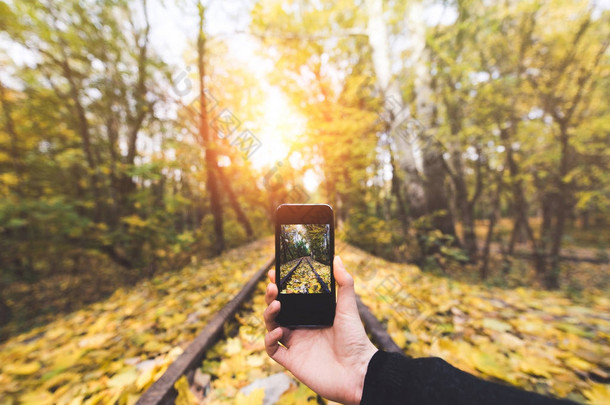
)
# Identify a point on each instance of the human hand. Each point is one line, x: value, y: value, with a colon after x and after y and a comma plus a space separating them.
x: 331, y: 361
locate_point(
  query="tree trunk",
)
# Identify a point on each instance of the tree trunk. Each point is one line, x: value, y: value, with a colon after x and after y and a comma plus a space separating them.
x: 464, y: 204
x: 438, y: 204
x: 396, y: 112
x: 397, y: 192
x: 85, y: 134
x: 552, y: 278
x: 241, y: 216
x: 584, y: 220
x: 211, y: 159
x: 493, y: 218
x: 11, y: 131
x: 520, y: 205
x: 6, y: 313
x: 546, y: 203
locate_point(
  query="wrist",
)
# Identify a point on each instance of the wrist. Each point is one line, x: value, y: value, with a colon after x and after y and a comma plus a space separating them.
x: 361, y: 369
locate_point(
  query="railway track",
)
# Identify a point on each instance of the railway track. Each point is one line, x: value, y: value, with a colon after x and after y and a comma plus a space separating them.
x: 306, y: 262
x: 163, y: 392
x: 325, y: 287
x: 288, y: 276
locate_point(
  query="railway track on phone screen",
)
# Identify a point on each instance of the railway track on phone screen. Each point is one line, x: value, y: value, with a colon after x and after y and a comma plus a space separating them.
x: 163, y: 391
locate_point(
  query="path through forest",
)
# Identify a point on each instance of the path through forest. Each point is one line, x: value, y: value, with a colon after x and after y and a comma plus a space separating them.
x: 305, y: 276
x: 114, y: 350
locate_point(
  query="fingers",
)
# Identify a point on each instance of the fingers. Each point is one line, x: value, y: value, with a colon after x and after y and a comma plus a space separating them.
x: 273, y: 307
x: 346, y: 296
x: 344, y: 279
x: 271, y: 275
x: 274, y: 350
x: 269, y: 315
x: 270, y: 293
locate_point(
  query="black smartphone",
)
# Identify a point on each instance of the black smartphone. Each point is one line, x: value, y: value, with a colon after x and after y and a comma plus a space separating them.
x: 304, y: 253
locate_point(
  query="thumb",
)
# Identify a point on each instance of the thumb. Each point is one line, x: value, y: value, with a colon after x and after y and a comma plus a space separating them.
x: 346, y: 296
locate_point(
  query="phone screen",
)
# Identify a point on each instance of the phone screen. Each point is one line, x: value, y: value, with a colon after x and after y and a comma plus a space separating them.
x: 305, y: 259
x: 304, y: 251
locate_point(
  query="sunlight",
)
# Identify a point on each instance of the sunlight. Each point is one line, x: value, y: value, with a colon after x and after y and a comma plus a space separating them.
x: 147, y: 148
x: 311, y: 180
x: 281, y: 126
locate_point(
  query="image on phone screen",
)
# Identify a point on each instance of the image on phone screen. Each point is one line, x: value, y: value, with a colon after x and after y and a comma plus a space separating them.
x: 305, y: 259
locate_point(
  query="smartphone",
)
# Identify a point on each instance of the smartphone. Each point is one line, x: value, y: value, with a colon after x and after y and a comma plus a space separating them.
x: 304, y: 253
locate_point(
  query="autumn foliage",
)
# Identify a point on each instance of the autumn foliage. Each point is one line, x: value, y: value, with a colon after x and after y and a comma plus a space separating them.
x: 141, y: 142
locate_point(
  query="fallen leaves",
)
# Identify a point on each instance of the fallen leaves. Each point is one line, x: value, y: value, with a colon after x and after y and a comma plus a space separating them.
x: 599, y: 394
x: 21, y: 369
x: 537, y: 340
x: 303, y: 279
x: 239, y: 359
x: 111, y: 351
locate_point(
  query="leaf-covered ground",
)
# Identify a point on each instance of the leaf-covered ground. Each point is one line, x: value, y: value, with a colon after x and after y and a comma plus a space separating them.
x: 323, y: 271
x: 303, y: 280
x: 538, y: 340
x: 240, y: 359
x: 115, y: 349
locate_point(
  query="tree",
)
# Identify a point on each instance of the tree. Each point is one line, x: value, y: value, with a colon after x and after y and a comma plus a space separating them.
x: 211, y: 160
x: 566, y: 83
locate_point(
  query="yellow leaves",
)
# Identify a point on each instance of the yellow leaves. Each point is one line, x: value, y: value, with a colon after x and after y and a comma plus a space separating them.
x: 299, y: 396
x: 56, y: 332
x: 135, y: 221
x: 303, y: 279
x: 492, y: 365
x: 147, y: 377
x: 113, y: 350
x: 116, y: 349
x: 38, y: 397
x: 509, y: 341
x: 233, y: 346
x: 598, y: 394
x: 538, y: 367
x: 578, y: 364
x: 123, y: 378
x: 154, y: 346
x: 185, y: 396
x: 175, y: 319
x: 95, y: 341
x: 22, y: 368
x: 521, y: 336
x: 256, y: 360
x: 532, y: 326
x: 238, y: 361
x: 496, y: 325
x: 8, y: 179
x: 397, y: 334
x: 254, y: 398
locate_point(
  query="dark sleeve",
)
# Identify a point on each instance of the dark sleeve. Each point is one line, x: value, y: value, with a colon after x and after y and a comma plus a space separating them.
x: 392, y: 378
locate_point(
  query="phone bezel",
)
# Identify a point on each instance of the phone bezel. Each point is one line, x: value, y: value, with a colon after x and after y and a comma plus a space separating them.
x: 305, y: 310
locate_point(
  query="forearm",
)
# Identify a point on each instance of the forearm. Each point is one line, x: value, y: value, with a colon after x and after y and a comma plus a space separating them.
x: 392, y: 378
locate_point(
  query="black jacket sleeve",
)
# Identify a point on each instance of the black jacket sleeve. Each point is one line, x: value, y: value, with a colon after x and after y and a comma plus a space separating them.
x: 392, y: 378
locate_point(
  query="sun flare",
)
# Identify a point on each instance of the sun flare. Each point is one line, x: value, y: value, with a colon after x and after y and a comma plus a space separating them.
x: 280, y: 126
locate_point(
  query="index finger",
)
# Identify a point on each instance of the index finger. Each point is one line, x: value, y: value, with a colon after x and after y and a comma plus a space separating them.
x: 270, y: 293
x: 271, y: 275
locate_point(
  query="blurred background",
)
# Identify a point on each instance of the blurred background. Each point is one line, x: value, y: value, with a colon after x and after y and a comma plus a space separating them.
x: 469, y: 138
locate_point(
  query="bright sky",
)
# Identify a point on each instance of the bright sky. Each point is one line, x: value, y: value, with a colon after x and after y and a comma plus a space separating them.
x: 173, y: 32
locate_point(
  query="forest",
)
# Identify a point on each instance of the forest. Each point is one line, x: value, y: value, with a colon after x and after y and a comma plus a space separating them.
x: 141, y: 140
x: 305, y: 258
x: 305, y: 240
